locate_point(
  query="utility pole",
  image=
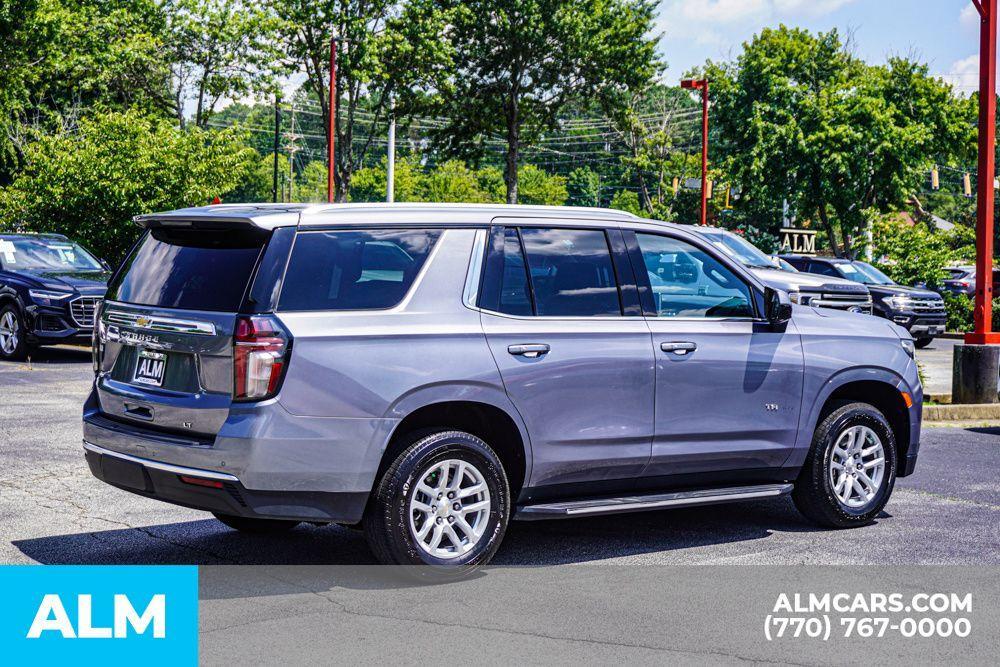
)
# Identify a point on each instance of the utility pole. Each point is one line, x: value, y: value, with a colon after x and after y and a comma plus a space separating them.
x: 331, y: 169
x: 977, y: 363
x: 277, y: 135
x: 292, y: 149
x: 702, y: 85
x: 390, y: 165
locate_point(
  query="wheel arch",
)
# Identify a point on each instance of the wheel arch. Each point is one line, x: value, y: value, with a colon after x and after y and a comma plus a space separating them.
x: 880, y: 388
x: 495, y: 422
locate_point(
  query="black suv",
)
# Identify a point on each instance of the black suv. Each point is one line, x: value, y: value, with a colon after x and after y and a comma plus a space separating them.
x: 919, y: 311
x: 50, y: 288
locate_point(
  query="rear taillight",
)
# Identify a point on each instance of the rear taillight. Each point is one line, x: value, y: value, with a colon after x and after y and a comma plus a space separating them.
x: 260, y: 354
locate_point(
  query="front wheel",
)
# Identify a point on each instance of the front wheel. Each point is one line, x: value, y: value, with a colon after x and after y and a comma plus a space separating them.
x: 850, y: 471
x: 443, y: 503
x: 922, y: 342
x: 13, y: 343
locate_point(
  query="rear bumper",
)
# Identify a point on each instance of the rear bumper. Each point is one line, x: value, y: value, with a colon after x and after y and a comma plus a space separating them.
x: 282, y: 465
x: 227, y: 495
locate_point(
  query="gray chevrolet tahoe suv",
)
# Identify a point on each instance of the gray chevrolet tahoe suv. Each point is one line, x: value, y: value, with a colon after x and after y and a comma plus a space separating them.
x: 430, y: 372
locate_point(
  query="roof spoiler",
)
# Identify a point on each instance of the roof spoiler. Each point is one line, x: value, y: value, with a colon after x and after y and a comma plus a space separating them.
x: 219, y: 218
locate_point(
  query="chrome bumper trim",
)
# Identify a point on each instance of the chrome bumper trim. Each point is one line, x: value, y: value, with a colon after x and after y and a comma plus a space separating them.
x: 157, y: 465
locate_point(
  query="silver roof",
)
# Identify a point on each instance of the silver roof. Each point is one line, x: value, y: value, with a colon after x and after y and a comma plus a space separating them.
x: 269, y: 216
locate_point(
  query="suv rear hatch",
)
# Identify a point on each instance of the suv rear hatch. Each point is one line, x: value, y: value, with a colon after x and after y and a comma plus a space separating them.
x: 180, y: 334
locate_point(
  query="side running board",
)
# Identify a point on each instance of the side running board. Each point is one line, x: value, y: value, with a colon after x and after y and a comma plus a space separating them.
x: 596, y: 506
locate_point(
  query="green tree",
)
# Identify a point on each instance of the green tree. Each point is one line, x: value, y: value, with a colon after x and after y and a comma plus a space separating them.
x: 452, y: 181
x: 538, y: 187
x: 519, y: 63
x: 88, y: 184
x: 58, y: 57
x: 258, y: 182
x: 390, y: 53
x: 217, y: 49
x: 914, y: 253
x: 369, y: 184
x: 626, y: 200
x: 799, y: 119
x: 583, y: 187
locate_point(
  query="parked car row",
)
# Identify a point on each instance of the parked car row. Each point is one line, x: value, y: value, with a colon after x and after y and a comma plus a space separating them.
x: 50, y: 287
x: 919, y: 311
x: 844, y: 284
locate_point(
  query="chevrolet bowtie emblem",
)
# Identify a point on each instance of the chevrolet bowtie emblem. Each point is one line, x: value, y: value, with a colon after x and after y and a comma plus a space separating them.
x: 142, y: 321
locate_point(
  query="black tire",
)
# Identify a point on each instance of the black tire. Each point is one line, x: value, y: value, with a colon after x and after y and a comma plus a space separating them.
x: 22, y: 349
x: 814, y: 494
x: 257, y: 526
x: 922, y: 342
x: 387, y: 519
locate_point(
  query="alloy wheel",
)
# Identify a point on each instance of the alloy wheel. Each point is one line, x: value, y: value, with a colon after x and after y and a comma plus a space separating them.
x: 449, y: 509
x: 8, y: 332
x: 857, y: 466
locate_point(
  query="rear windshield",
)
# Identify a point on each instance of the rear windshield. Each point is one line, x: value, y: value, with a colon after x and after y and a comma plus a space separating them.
x: 189, y: 269
x: 354, y: 270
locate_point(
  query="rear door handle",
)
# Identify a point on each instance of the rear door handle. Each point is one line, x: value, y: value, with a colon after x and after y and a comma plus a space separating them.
x: 530, y: 350
x: 679, y: 347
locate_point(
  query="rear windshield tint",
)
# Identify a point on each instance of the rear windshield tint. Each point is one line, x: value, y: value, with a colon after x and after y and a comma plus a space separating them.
x: 189, y: 269
x: 354, y: 270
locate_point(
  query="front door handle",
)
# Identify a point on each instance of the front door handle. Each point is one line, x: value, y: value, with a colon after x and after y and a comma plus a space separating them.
x: 679, y: 347
x: 530, y: 350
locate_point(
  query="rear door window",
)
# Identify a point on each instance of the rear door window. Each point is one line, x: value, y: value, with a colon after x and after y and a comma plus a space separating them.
x: 354, y: 270
x: 189, y: 269
x: 571, y: 272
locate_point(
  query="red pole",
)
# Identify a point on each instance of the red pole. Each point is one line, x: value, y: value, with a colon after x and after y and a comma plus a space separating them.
x: 983, y: 313
x: 702, y: 85
x: 331, y: 143
x: 704, y: 152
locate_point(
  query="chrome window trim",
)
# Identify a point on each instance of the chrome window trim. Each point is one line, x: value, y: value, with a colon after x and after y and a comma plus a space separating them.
x: 475, y: 272
x: 157, y: 322
x: 618, y: 318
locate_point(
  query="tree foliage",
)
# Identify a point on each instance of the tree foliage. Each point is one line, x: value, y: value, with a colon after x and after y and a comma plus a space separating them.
x: 389, y: 53
x: 799, y: 118
x: 89, y: 183
x: 518, y: 63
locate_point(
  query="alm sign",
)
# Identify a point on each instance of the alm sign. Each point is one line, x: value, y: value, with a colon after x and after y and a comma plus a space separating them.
x: 798, y: 241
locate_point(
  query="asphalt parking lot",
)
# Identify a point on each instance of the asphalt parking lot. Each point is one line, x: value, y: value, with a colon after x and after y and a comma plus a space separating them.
x: 53, y: 511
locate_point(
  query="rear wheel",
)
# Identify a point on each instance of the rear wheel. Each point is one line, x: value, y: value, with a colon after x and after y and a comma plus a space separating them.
x: 13, y: 343
x: 443, y: 503
x: 850, y: 471
x: 922, y: 342
x: 254, y: 525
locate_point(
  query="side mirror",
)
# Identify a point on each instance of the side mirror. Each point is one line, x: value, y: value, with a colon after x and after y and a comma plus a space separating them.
x: 778, y: 305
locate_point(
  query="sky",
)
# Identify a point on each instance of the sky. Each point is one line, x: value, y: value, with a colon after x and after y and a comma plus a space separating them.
x: 942, y: 33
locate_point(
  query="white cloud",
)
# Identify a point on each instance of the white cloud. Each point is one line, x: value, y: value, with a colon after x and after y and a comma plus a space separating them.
x: 795, y: 8
x: 963, y: 74
x: 720, y: 11
x: 739, y: 11
x: 969, y: 17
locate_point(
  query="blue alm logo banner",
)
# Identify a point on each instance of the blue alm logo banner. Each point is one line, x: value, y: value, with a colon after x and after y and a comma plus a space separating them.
x: 112, y: 614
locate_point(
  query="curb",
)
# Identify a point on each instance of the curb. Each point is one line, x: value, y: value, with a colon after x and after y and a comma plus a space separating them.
x: 967, y: 412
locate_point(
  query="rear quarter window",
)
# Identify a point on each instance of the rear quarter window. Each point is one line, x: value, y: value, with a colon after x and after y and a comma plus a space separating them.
x: 354, y: 270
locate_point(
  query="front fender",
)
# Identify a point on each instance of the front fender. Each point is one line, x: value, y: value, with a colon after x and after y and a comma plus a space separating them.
x: 809, y: 418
